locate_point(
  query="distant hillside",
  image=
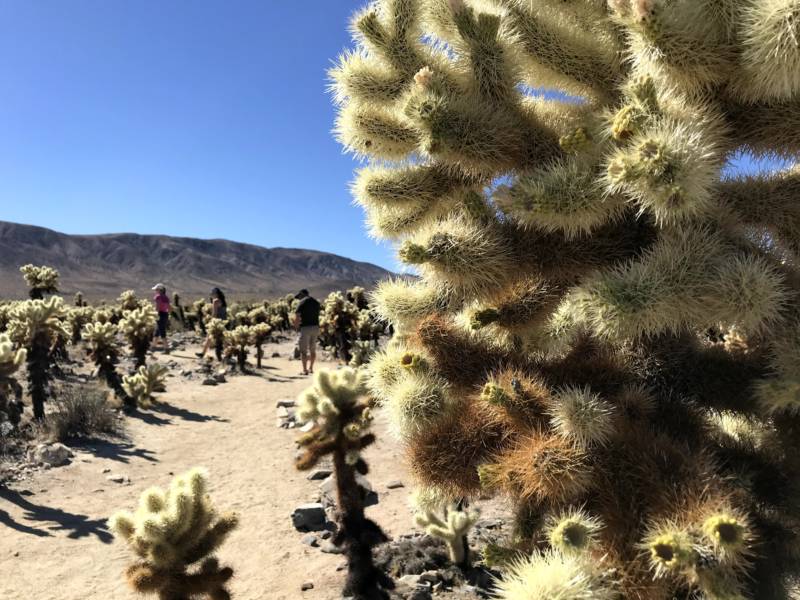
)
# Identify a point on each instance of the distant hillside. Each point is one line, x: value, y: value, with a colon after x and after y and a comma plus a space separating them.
x: 101, y: 266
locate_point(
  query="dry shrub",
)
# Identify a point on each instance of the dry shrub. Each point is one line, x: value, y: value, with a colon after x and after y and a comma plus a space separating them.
x: 82, y: 411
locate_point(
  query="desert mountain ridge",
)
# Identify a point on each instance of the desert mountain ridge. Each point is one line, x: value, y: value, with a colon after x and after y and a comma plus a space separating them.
x: 101, y: 266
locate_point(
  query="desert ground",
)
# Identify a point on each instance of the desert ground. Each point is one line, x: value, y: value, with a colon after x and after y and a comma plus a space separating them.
x: 55, y: 543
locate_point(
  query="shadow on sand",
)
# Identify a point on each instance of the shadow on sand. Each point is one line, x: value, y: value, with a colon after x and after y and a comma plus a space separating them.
x: 51, y: 519
x: 120, y: 451
x: 185, y: 414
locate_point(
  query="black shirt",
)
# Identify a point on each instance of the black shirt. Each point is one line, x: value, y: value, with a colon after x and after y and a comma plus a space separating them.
x: 308, y: 309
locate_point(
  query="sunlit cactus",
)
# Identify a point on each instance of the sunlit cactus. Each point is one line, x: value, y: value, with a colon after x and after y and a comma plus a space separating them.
x: 147, y: 380
x: 198, y: 314
x: 601, y: 297
x: 451, y: 527
x: 237, y: 341
x: 37, y: 326
x: 103, y: 347
x: 128, y: 301
x: 41, y: 280
x: 77, y: 318
x: 11, y: 361
x: 138, y: 326
x: 78, y: 299
x: 361, y: 353
x: 337, y: 409
x: 216, y: 329
x: 174, y: 534
x: 260, y: 335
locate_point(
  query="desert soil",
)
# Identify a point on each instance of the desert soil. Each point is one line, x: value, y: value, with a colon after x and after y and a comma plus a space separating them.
x: 54, y: 540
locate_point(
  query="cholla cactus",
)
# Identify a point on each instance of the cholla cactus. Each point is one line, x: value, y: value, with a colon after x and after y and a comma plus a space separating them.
x: 41, y: 280
x: 36, y: 326
x: 216, y: 329
x: 128, y: 301
x: 260, y: 334
x: 77, y: 318
x: 337, y: 409
x: 147, y: 380
x: 102, y: 341
x: 78, y: 300
x: 452, y: 528
x: 10, y: 391
x: 198, y: 314
x: 559, y: 346
x: 236, y: 342
x: 138, y: 326
x: 171, y: 531
x: 361, y: 353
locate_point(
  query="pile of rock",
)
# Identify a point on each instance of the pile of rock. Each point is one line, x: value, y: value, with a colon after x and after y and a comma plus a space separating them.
x: 285, y: 414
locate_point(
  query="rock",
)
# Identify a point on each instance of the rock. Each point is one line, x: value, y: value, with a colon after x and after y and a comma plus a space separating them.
x: 220, y: 377
x: 325, y: 535
x: 209, y: 381
x: 409, y: 580
x: 309, y: 539
x: 276, y: 355
x: 50, y: 455
x: 106, y: 470
x: 6, y: 428
x: 117, y: 478
x: 431, y: 577
x: 318, y: 474
x: 185, y: 372
x: 307, y: 585
x: 285, y: 403
x: 328, y: 490
x: 330, y: 548
x: 309, y: 517
x: 489, y: 524
x: 282, y: 412
x: 393, y: 485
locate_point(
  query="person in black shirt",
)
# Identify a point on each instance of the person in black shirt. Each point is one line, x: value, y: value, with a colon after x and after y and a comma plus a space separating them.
x: 306, y: 318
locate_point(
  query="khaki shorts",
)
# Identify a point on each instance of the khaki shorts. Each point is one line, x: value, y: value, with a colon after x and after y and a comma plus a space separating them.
x: 308, y: 338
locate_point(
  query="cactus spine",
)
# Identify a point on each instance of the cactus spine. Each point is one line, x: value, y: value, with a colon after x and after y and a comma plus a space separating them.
x: 41, y: 280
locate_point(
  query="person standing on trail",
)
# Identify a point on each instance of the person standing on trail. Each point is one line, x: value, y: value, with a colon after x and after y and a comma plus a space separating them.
x: 161, y: 301
x: 306, y: 318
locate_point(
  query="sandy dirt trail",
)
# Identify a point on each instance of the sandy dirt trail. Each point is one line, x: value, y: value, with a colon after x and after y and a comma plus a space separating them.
x: 54, y: 541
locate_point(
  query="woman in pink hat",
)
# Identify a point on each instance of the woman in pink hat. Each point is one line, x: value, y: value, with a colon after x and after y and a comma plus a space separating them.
x: 161, y: 301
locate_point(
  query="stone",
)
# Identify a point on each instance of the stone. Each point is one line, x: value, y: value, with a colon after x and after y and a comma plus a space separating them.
x: 285, y: 403
x: 6, y: 428
x: 329, y: 548
x: 219, y: 377
x: 50, y: 455
x: 116, y: 478
x: 209, y: 381
x: 431, y: 577
x: 393, y: 485
x: 409, y: 580
x: 328, y: 490
x: 309, y: 539
x: 307, y: 585
x: 309, y: 517
x: 282, y: 412
x: 318, y: 474
x: 276, y: 355
x: 107, y: 470
x: 326, y: 535
x: 489, y: 524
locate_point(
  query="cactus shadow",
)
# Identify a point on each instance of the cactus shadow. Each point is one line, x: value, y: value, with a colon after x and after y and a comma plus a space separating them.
x: 186, y: 414
x: 122, y: 451
x: 78, y: 526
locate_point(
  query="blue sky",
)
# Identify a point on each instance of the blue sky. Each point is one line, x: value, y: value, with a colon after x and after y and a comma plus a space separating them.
x: 185, y: 117
x: 192, y: 117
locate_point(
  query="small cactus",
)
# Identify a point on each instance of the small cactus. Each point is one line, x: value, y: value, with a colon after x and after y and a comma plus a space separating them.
x: 102, y: 340
x: 216, y: 329
x: 452, y: 528
x: 171, y: 531
x: 10, y: 362
x: 144, y: 383
x: 237, y: 342
x: 338, y: 411
x: 138, y: 326
x: 261, y: 333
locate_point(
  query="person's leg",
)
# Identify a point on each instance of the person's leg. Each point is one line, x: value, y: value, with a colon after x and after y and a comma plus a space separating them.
x: 207, y: 344
x: 312, y: 350
x: 303, y: 344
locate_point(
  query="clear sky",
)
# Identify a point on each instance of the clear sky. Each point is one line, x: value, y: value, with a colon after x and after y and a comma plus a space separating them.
x: 185, y: 117
x: 203, y: 118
